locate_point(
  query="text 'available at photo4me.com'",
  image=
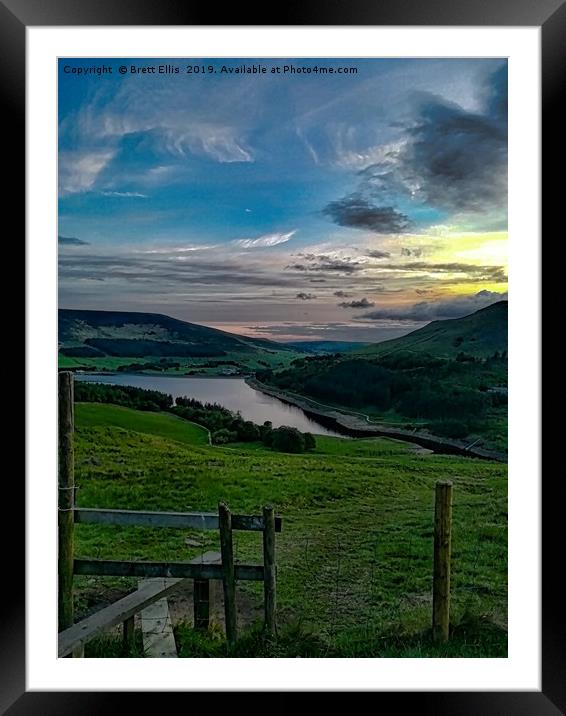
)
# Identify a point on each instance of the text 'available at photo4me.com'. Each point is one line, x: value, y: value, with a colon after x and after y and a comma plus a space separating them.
x: 204, y: 69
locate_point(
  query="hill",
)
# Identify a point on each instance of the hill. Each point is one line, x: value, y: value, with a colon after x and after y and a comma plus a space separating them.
x: 121, y: 339
x: 448, y: 379
x: 479, y: 334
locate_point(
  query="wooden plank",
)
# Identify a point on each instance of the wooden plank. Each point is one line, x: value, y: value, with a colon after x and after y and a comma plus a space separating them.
x: 81, y: 633
x: 115, y: 568
x: 269, y: 594
x: 65, y: 522
x: 157, y: 629
x: 228, y: 582
x: 442, y: 556
x: 172, y: 520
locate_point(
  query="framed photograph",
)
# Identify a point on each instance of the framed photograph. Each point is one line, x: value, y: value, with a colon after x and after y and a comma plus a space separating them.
x: 283, y: 277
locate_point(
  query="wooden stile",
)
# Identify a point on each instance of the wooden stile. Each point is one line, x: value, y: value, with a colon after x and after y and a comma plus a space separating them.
x: 201, y: 570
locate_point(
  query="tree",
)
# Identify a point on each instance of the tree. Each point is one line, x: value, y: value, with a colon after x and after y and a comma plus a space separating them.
x: 266, y: 433
x: 287, y: 439
x: 248, y: 432
x: 310, y: 442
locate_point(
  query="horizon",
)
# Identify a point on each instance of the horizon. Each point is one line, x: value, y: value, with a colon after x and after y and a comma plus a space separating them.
x: 294, y: 207
x: 242, y: 335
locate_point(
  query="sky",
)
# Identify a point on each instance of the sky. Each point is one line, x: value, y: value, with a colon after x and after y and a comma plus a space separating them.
x: 293, y: 205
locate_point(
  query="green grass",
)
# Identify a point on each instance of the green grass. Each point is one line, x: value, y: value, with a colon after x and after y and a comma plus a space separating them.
x: 325, y: 445
x: 247, y: 361
x: 88, y: 415
x: 355, y: 554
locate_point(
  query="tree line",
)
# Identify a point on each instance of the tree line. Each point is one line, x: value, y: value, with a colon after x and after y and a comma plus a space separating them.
x: 452, y: 394
x: 224, y: 425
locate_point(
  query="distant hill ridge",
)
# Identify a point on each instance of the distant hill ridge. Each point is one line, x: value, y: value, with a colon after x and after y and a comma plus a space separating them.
x: 128, y: 333
x: 480, y: 334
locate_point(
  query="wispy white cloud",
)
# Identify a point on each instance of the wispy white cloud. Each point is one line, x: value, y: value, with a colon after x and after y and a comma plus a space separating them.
x: 170, y: 250
x: 78, y: 170
x: 265, y: 241
x: 125, y: 194
x: 172, y: 121
x: 218, y: 142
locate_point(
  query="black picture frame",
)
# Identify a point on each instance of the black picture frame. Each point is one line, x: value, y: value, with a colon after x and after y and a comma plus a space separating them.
x: 15, y: 16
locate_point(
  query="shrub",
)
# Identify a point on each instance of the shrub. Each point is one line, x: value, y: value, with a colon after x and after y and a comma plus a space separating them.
x: 286, y: 439
x: 310, y: 442
x: 223, y: 436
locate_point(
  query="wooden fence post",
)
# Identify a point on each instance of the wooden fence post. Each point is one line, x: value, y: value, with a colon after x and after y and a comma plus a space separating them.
x: 442, y: 554
x: 229, y: 583
x: 269, y: 589
x: 66, y: 500
x: 201, y: 603
x: 78, y: 652
x: 128, y: 633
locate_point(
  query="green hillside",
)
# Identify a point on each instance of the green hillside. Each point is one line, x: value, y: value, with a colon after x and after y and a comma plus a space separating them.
x: 448, y: 379
x: 91, y: 415
x: 354, y: 558
x: 113, y: 340
x: 480, y: 334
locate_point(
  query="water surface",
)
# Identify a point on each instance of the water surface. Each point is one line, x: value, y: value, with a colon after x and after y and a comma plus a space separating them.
x: 232, y: 393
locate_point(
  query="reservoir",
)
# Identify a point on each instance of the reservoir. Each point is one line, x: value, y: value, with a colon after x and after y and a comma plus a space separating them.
x: 232, y: 393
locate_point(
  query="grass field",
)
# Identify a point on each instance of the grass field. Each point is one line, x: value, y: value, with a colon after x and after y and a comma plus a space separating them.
x: 247, y: 362
x: 355, y: 554
x: 91, y: 415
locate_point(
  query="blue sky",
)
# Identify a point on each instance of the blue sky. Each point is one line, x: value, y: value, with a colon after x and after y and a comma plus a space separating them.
x: 352, y: 206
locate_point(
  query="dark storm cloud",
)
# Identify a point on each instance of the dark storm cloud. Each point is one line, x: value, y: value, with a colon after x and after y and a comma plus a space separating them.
x: 71, y: 241
x: 324, y: 263
x: 358, y: 212
x: 451, y: 160
x: 378, y: 254
x: 473, y: 271
x: 496, y: 91
x: 361, y: 303
x: 164, y: 272
x: 428, y: 311
x: 458, y: 158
